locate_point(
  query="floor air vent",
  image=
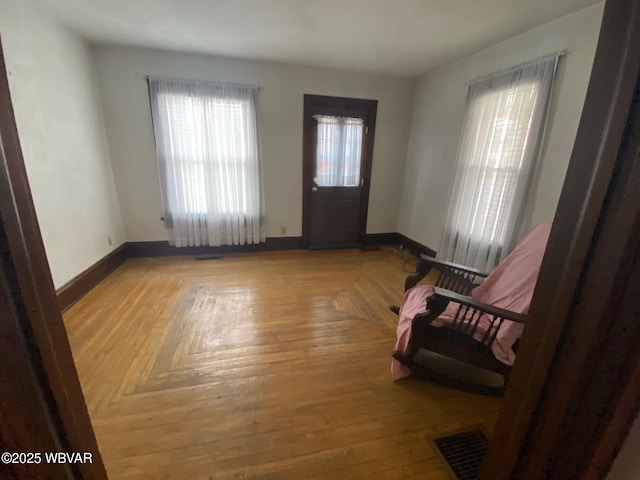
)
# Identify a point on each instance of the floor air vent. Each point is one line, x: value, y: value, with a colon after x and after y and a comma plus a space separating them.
x: 463, y: 451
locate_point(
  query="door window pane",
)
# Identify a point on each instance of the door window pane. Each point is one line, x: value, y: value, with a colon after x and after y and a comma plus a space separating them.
x: 339, y: 151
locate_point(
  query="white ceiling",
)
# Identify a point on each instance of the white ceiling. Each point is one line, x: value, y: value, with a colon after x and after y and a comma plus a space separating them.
x: 405, y: 37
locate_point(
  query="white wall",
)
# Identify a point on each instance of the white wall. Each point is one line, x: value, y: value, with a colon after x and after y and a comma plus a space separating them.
x: 626, y: 466
x: 58, y: 113
x: 126, y: 106
x: 439, y: 110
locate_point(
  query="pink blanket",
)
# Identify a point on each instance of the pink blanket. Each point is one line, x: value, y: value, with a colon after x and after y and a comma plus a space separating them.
x: 509, y: 286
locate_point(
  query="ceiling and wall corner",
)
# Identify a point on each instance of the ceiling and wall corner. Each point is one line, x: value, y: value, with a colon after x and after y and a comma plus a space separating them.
x: 61, y: 128
x: 399, y: 38
x: 438, y: 114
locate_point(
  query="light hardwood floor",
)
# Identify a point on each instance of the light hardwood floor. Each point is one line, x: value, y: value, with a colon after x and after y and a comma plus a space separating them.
x: 261, y: 366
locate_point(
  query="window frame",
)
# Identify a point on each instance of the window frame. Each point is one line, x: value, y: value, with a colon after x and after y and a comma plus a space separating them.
x: 239, y: 165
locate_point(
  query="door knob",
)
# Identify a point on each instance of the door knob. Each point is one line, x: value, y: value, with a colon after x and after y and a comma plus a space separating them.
x: 314, y: 189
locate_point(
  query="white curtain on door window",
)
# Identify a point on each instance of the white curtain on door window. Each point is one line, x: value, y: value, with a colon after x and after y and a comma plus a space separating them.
x: 209, y: 161
x: 339, y: 151
x: 501, y: 137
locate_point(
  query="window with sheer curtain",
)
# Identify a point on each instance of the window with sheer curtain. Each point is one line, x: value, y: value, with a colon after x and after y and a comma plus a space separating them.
x: 208, y: 150
x: 502, y: 132
x: 339, y: 151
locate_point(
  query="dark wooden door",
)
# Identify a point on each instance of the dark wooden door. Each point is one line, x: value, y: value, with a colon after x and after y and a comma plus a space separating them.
x: 335, y: 216
x: 338, y: 146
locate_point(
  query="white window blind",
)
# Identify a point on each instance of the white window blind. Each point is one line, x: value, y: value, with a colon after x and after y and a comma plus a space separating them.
x: 193, y: 124
x: 339, y: 151
x: 207, y: 143
x: 502, y: 120
x: 502, y: 131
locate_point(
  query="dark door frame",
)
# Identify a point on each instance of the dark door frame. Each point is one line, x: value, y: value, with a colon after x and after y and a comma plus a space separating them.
x: 321, y: 104
x: 574, y: 391
x: 52, y: 414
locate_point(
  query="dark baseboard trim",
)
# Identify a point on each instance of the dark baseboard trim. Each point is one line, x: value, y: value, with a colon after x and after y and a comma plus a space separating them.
x: 416, y: 248
x: 388, y: 238
x: 163, y: 249
x: 74, y: 289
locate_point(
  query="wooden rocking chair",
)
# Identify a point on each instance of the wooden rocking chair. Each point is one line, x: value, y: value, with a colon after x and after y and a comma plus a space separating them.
x: 473, y: 326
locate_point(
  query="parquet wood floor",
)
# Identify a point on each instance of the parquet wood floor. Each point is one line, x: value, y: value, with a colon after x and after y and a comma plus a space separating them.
x: 260, y: 366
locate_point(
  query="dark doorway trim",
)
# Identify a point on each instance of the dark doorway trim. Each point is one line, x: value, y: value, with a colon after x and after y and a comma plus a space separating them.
x: 572, y: 394
x: 318, y: 104
x: 59, y: 416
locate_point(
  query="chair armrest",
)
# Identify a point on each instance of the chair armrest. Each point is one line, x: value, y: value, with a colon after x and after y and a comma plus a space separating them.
x: 441, y: 263
x: 480, y: 306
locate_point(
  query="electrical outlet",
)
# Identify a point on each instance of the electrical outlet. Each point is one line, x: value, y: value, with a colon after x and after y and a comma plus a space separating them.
x: 109, y: 241
x: 283, y: 230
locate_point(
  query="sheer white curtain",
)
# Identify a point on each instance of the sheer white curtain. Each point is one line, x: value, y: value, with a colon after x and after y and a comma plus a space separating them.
x: 209, y: 161
x: 339, y: 151
x: 501, y: 136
